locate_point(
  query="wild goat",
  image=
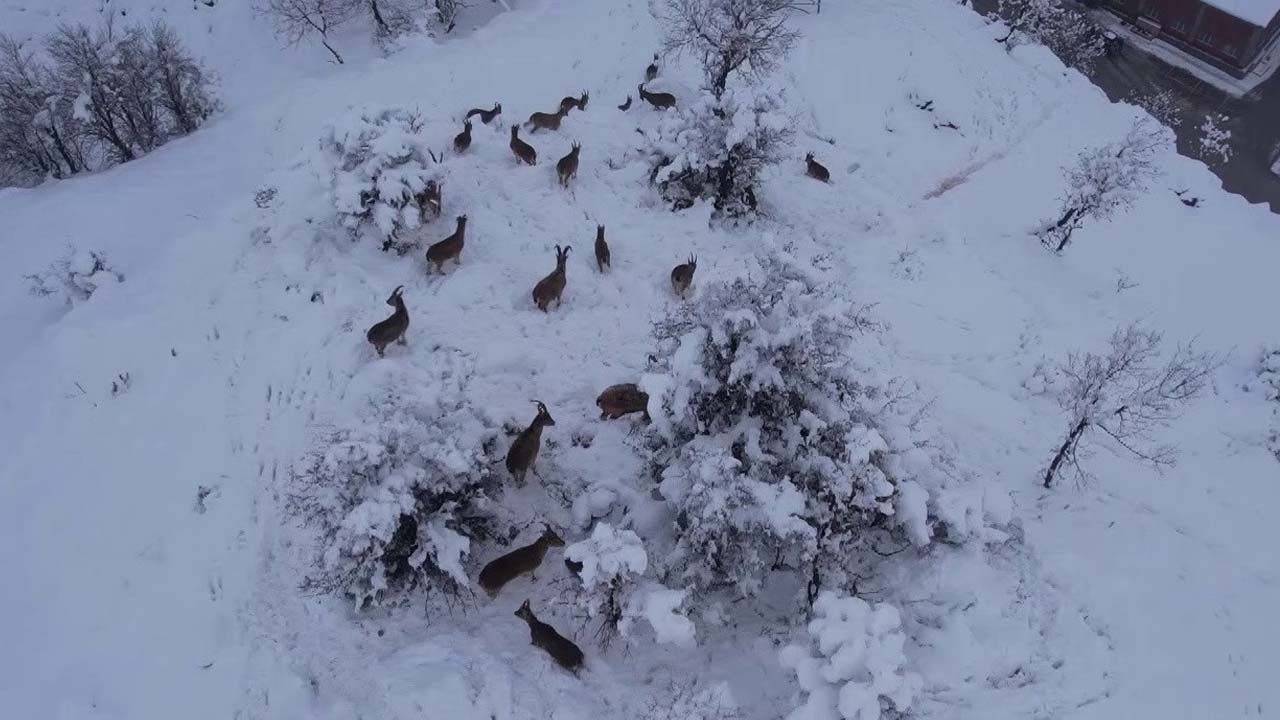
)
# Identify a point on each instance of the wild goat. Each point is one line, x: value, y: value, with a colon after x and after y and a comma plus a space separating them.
x: 550, y: 287
x: 626, y: 105
x: 568, y: 102
x: 682, y: 276
x: 602, y: 249
x: 524, y: 151
x: 660, y: 100
x: 561, y: 649
x: 524, y: 451
x: 393, y: 328
x: 546, y: 121
x: 619, y: 400
x: 449, y: 248
x: 521, y: 561
x: 567, y: 166
x: 815, y: 170
x: 462, y: 140
x: 430, y: 199
x: 486, y: 116
x: 651, y: 72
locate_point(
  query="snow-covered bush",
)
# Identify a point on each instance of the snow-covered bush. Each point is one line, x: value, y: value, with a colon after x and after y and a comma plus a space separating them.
x: 1215, y: 138
x: 379, y: 164
x: 1105, y: 180
x: 716, y: 149
x: 611, y: 561
x: 663, y: 609
x: 687, y: 702
x: 1269, y: 378
x: 398, y: 497
x: 1269, y: 373
x: 75, y: 276
x: 776, y: 452
x: 854, y: 666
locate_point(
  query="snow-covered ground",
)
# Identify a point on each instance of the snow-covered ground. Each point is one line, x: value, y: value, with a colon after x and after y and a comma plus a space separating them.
x: 152, y: 569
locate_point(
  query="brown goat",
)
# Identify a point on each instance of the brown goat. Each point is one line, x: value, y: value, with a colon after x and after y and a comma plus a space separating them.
x: 567, y: 166
x: 660, y: 100
x: 561, y: 649
x: 524, y: 151
x: 619, y: 400
x: 815, y: 170
x: 550, y: 287
x: 462, y: 140
x: 682, y: 276
x: 546, y: 121
x: 449, y: 248
x: 524, y: 451
x: 486, y: 116
x: 651, y: 72
x: 568, y: 102
x: 392, y: 329
x: 521, y: 561
x: 430, y: 199
x: 602, y: 249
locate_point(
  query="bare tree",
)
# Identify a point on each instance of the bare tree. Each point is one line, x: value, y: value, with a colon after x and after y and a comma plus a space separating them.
x: 37, y: 136
x: 184, y: 88
x: 1126, y: 395
x: 298, y: 19
x: 85, y: 78
x: 730, y: 35
x: 1105, y: 180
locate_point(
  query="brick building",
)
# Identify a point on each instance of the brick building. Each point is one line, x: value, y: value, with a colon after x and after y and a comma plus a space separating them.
x: 1229, y: 34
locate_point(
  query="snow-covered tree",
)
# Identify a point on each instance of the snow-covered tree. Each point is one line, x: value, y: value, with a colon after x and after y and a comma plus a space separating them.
x: 398, y: 497
x: 728, y: 36
x: 1163, y: 105
x: 379, y: 164
x: 1069, y: 32
x: 110, y: 96
x: 1105, y: 180
x: 853, y: 668
x: 1123, y: 396
x: 715, y: 148
x: 75, y: 276
x: 777, y: 453
x: 38, y: 138
x: 1215, y: 138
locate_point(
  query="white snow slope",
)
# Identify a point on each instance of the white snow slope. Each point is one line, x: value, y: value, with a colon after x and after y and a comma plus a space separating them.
x: 1139, y: 595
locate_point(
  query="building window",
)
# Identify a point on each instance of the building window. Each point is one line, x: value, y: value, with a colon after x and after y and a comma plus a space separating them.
x: 1205, y: 38
x: 1229, y: 50
x: 1178, y: 25
x: 1150, y: 9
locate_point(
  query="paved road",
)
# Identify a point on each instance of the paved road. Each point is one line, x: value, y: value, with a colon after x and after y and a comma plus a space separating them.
x: 1254, y: 120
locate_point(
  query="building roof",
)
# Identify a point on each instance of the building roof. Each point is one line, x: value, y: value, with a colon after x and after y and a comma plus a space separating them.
x: 1257, y: 12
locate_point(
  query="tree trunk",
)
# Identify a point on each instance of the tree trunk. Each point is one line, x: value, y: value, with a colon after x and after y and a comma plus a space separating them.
x: 1064, y: 450
x: 721, y: 78
x: 383, y: 28
x: 324, y: 40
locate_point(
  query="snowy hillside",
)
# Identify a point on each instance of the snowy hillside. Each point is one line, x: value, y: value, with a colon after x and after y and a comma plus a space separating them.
x: 158, y: 530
